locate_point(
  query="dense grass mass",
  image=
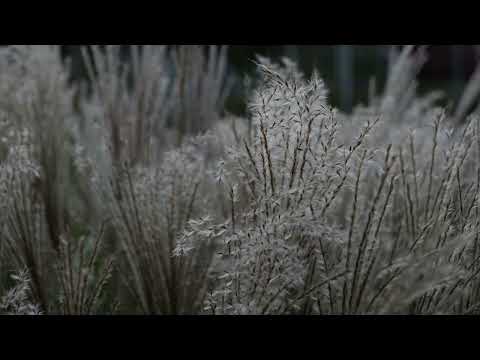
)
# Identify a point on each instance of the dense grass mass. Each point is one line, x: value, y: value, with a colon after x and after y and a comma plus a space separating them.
x: 136, y: 193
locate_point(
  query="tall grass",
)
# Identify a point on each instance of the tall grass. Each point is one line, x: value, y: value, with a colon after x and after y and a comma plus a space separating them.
x: 137, y: 194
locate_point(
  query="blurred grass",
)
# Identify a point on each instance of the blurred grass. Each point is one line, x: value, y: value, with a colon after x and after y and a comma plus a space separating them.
x: 368, y: 63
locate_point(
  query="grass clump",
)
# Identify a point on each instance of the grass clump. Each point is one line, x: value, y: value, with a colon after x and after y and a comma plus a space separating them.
x: 137, y: 194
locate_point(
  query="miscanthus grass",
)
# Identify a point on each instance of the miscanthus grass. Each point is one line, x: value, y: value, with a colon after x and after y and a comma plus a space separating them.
x: 136, y: 193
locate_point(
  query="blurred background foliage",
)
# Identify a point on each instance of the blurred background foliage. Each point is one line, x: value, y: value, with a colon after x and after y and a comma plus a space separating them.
x: 347, y: 69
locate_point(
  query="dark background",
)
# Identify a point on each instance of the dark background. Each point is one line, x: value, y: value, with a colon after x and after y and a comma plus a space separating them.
x: 346, y: 69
